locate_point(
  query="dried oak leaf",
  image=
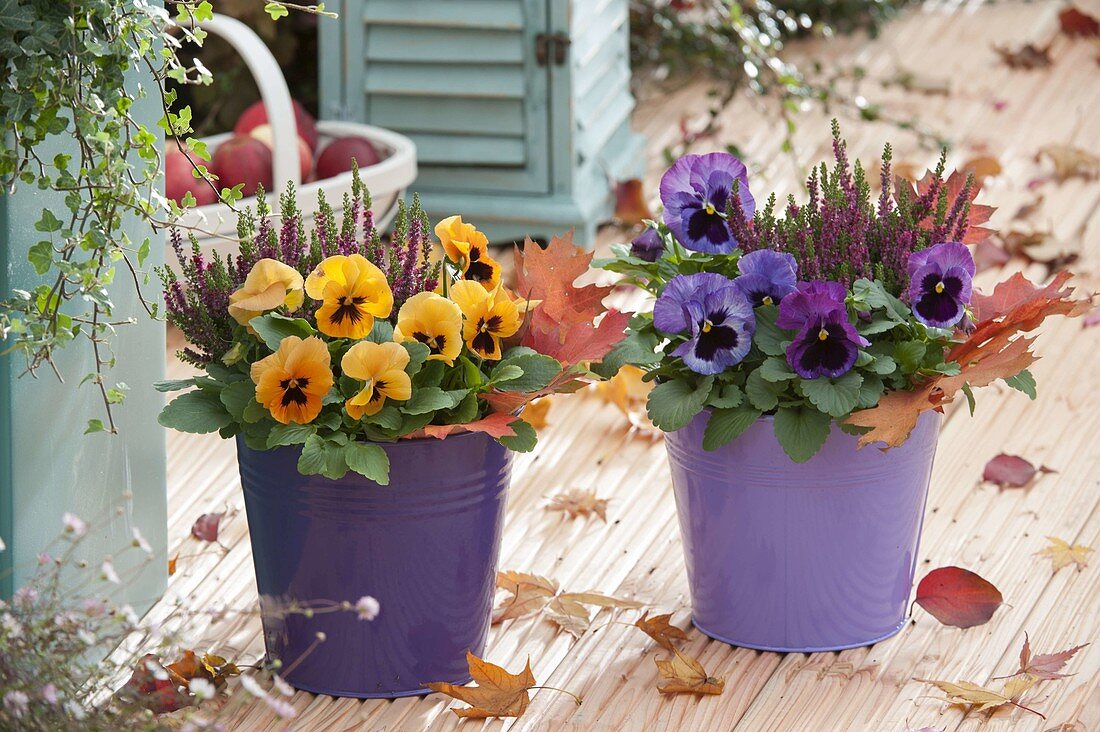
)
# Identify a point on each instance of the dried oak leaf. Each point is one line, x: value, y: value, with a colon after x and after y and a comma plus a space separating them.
x: 569, y: 612
x: 579, y: 502
x: 530, y: 593
x: 1070, y: 162
x: 1062, y: 554
x: 497, y: 694
x: 1045, y: 666
x: 631, y: 208
x: 1012, y: 471
x: 958, y: 597
x: 994, y: 349
x: 661, y: 630
x: 980, y: 698
x: 206, y: 526
x: 1073, y: 22
x: 1027, y: 57
x: 685, y: 675
x: 988, y: 255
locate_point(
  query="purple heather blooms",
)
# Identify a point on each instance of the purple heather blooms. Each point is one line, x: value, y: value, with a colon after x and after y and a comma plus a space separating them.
x: 695, y: 192
x: 648, y: 245
x: 809, y: 301
x: 717, y: 315
x: 940, y: 283
x: 767, y: 276
x: 827, y: 345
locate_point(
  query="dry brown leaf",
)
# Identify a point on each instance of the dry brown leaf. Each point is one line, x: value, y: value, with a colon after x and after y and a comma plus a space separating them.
x: 1062, y: 554
x: 661, y: 630
x: 529, y: 594
x: 685, y: 675
x: 631, y: 208
x: 629, y: 393
x: 1027, y: 57
x: 983, y: 166
x: 536, y: 412
x: 1070, y: 162
x: 579, y: 502
x: 568, y: 609
x: 980, y: 698
x: 497, y: 694
x: 1072, y: 22
x: 1017, y: 686
x: 1046, y: 666
x: 172, y: 565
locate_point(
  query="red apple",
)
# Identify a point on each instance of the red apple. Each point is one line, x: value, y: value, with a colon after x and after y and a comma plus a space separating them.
x: 178, y: 178
x: 256, y: 115
x: 337, y: 156
x: 243, y: 159
x: 305, y: 156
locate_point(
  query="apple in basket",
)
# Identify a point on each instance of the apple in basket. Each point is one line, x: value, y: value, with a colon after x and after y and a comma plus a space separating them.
x: 243, y: 159
x: 256, y: 115
x: 305, y: 155
x: 337, y: 156
x: 178, y: 178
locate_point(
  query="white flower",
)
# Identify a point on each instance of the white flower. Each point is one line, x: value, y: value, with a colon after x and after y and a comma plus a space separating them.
x: 16, y: 703
x: 49, y: 693
x: 24, y: 597
x: 93, y: 607
x: 73, y: 525
x: 75, y: 710
x: 367, y: 607
x: 202, y: 689
x: 253, y: 687
x: 281, y: 707
x: 281, y: 686
x: 129, y: 615
x: 12, y: 628
x: 140, y: 542
x: 107, y: 572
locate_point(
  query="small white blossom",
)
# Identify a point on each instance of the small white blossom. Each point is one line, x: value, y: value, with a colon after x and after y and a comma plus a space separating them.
x: 49, y: 693
x: 367, y: 608
x: 12, y: 628
x: 24, y: 597
x: 75, y: 710
x: 93, y: 607
x: 281, y: 686
x: 253, y: 687
x: 16, y: 703
x: 107, y: 572
x: 202, y: 689
x: 74, y: 525
x: 86, y: 637
x: 140, y: 542
x: 129, y: 615
x: 281, y: 707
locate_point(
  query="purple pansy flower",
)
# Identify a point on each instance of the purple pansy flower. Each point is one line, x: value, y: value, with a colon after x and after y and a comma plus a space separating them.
x: 716, y: 314
x: 767, y: 276
x: 940, y: 283
x: 826, y: 343
x: 695, y: 192
x: 648, y: 246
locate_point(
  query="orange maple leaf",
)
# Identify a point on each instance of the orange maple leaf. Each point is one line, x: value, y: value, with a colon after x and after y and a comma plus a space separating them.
x: 685, y: 675
x: 529, y: 594
x: 661, y: 630
x: 498, y: 693
x: 1062, y: 554
x: 496, y: 425
x: 952, y: 188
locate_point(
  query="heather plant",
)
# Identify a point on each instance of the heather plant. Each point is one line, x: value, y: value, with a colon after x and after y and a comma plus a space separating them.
x: 849, y: 309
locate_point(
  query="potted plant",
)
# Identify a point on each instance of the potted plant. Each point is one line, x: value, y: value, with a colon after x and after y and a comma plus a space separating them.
x: 783, y: 340
x: 374, y: 387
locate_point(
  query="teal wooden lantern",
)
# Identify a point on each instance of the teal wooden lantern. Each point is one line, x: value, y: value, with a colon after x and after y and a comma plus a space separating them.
x: 519, y: 109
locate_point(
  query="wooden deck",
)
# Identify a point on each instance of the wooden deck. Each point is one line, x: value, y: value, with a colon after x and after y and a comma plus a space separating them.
x: 637, y: 553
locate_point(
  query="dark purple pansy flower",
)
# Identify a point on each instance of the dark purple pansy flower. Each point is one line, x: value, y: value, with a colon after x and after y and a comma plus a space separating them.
x: 940, y: 283
x: 810, y: 300
x: 767, y: 276
x: 717, y: 315
x: 827, y: 345
x: 648, y: 246
x: 695, y: 192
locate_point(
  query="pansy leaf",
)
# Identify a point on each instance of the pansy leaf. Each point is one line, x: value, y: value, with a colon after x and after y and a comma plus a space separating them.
x: 388, y: 417
x: 505, y: 372
x: 769, y: 338
x: 466, y: 411
x: 273, y: 328
x: 874, y: 295
x: 884, y: 365
x: 909, y: 355
x: 877, y: 324
x: 726, y: 397
x: 638, y: 348
x: 870, y: 391
x: 430, y: 399
x: 536, y: 372
x: 236, y: 397
x: 762, y: 394
x: 837, y: 397
x: 418, y: 354
x: 430, y: 374
x: 801, y: 431
x: 725, y: 425
x: 369, y: 460
x: 775, y: 369
x: 198, y: 412
x: 253, y: 412
x: 173, y: 385
x: 289, y: 434
x: 322, y: 457
x: 524, y: 440
x: 328, y: 420
x: 1024, y: 382
x: 673, y: 404
x: 382, y: 332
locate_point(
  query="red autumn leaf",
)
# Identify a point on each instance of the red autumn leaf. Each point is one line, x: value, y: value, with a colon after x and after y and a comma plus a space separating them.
x: 496, y: 425
x: 1011, y: 471
x: 1046, y: 665
x: 630, y: 204
x: 152, y: 686
x: 952, y: 188
x: 206, y: 526
x: 575, y: 342
x: 958, y: 597
x: 988, y: 255
x: 1073, y: 22
x: 567, y: 382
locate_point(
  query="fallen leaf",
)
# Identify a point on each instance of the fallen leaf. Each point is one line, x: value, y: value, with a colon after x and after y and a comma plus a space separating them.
x: 172, y: 565
x: 627, y: 391
x: 1062, y: 554
x: 530, y: 593
x: 1017, y: 686
x: 1027, y: 57
x: 152, y: 687
x: 497, y: 694
x: 631, y: 208
x: 209, y: 667
x: 1028, y: 209
x: 1073, y: 22
x: 579, y: 502
x: 1070, y: 162
x: 988, y: 254
x: 978, y: 697
x: 1038, y: 247
x: 569, y: 612
x: 535, y: 413
x: 984, y: 166
x: 1092, y: 318
x: 1045, y: 666
x: 496, y: 425
x: 661, y: 630
x: 958, y: 597
x: 685, y: 675
x: 1012, y: 471
x: 206, y: 526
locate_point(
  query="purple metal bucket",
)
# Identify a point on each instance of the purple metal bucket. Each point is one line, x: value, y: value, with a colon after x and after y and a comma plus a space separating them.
x: 425, y: 546
x: 817, y: 556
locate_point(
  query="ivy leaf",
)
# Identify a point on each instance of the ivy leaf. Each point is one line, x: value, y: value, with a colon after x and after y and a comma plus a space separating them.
x: 958, y: 597
x: 801, y: 431
x: 836, y: 397
x: 48, y: 223
x: 197, y: 412
x: 673, y: 404
x: 726, y: 425
x: 369, y: 460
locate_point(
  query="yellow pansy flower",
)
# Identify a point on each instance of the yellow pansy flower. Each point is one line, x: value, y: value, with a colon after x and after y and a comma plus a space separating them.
x: 381, y: 368
x: 291, y: 382
x: 270, y: 284
x: 489, y: 317
x: 433, y: 320
x: 353, y: 293
x: 469, y: 249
